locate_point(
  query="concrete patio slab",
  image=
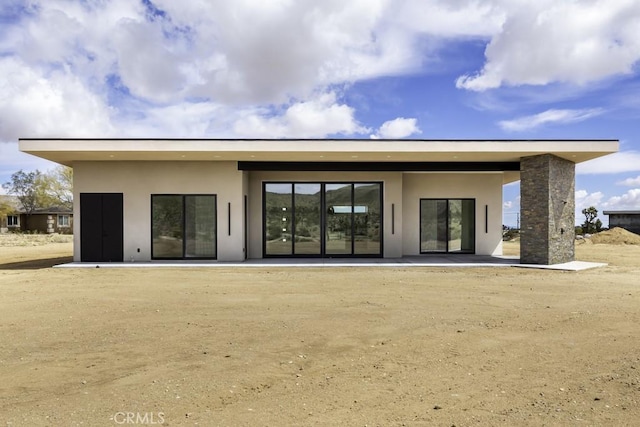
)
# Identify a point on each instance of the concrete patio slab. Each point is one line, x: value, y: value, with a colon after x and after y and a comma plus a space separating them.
x: 566, y: 266
x: 431, y: 261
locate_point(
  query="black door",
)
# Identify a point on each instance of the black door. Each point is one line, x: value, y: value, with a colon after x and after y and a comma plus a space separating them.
x: 101, y: 227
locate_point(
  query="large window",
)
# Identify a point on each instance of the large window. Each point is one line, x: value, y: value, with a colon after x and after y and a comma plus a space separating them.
x: 322, y: 219
x: 183, y: 226
x: 447, y: 225
x: 13, y: 221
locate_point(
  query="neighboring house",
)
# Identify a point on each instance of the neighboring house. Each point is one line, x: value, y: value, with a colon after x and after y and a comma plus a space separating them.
x: 48, y: 220
x: 228, y: 200
x: 44, y: 220
x: 9, y: 218
x: 629, y: 220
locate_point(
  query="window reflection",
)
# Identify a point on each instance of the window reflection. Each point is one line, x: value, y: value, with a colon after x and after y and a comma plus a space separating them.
x: 317, y: 218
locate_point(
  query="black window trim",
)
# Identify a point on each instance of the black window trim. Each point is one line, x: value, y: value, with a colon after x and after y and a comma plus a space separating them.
x: 184, y: 243
x: 322, y: 253
x: 448, y: 237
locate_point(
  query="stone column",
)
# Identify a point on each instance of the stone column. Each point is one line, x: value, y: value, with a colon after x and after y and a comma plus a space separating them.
x: 547, y: 210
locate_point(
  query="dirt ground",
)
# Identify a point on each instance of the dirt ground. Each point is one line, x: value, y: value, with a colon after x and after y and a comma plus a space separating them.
x: 326, y: 346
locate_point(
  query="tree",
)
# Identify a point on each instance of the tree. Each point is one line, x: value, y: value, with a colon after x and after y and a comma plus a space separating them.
x: 5, y: 208
x: 590, y: 224
x: 24, y: 185
x: 598, y: 225
x: 55, y: 188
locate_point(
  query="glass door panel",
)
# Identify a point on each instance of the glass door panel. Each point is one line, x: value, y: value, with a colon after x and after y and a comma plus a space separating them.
x: 461, y: 225
x: 278, y: 216
x: 455, y: 225
x: 307, y: 207
x: 166, y: 212
x: 338, y: 219
x: 200, y: 227
x: 447, y: 225
x: 318, y: 219
x: 468, y: 224
x: 433, y: 225
x: 366, y: 218
x: 183, y: 226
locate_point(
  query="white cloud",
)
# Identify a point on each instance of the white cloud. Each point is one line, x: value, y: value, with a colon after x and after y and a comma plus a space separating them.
x: 630, y: 182
x: 584, y: 199
x: 241, y: 61
x: 181, y: 120
x: 627, y: 201
x: 12, y: 160
x: 559, y: 41
x: 443, y: 18
x: 622, y: 161
x: 315, y: 118
x: 397, y: 128
x: 549, y: 117
x: 507, y: 204
x: 55, y: 103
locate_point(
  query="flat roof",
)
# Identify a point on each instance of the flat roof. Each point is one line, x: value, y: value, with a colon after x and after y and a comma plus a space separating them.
x: 621, y: 212
x: 68, y: 150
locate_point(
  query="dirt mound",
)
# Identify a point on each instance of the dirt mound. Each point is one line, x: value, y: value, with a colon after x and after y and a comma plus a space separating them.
x: 616, y: 236
x: 584, y: 242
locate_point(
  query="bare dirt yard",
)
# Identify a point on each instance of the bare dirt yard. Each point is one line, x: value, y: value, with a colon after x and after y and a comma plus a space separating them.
x: 323, y: 346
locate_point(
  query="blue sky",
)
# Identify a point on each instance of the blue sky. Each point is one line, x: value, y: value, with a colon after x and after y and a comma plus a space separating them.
x: 432, y: 69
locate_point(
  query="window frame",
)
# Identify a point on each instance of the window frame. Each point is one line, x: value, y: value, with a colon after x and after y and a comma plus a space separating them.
x: 68, y: 221
x: 323, y: 253
x: 183, y: 227
x: 446, y: 251
x: 13, y: 223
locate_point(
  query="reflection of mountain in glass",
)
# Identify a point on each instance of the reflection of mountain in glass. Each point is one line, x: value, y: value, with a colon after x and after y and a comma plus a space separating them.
x: 341, y: 217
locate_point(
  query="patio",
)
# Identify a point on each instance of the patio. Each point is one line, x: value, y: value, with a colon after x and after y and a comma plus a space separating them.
x: 440, y: 261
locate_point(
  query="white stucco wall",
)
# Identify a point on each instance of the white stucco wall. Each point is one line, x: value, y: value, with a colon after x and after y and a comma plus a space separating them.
x: 392, y: 194
x: 485, y: 188
x: 139, y: 180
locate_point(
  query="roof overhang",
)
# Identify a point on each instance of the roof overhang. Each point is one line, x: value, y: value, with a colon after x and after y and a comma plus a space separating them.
x: 66, y: 151
x: 621, y: 212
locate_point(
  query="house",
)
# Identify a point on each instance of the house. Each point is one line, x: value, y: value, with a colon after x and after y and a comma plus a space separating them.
x: 47, y: 220
x: 229, y: 200
x: 41, y: 220
x: 629, y: 220
x: 9, y: 213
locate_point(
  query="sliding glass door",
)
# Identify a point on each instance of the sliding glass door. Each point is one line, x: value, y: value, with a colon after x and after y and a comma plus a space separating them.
x: 447, y: 225
x: 433, y: 225
x: 278, y: 219
x: 308, y: 219
x: 339, y: 219
x: 367, y: 219
x: 199, y: 227
x: 322, y: 219
x: 183, y: 226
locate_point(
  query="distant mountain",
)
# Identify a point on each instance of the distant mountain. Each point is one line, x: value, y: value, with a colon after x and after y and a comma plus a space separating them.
x: 364, y: 195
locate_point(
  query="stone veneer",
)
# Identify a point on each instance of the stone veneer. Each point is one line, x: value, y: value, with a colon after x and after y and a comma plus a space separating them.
x: 547, y: 210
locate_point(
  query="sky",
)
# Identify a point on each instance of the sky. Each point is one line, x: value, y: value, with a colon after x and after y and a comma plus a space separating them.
x: 431, y: 69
